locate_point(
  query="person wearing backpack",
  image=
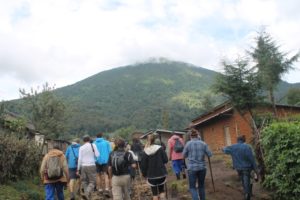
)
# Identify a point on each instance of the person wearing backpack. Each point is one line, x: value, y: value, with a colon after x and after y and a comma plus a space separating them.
x: 72, y: 159
x: 153, y: 167
x: 119, y: 162
x: 104, y: 147
x: 87, y: 167
x: 196, y: 150
x: 176, y: 145
x: 54, y: 173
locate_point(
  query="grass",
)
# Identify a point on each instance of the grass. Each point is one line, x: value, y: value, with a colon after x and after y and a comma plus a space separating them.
x: 24, y: 190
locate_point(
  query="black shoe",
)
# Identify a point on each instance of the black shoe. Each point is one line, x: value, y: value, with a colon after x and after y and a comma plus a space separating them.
x: 247, y: 196
x: 178, y: 176
x: 183, y: 176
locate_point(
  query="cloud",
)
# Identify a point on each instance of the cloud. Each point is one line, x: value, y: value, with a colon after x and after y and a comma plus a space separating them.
x: 68, y: 40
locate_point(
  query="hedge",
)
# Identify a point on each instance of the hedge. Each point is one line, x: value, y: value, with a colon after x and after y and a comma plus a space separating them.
x: 281, y: 144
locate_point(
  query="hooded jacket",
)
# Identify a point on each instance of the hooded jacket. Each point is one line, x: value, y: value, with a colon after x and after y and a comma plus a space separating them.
x: 153, y: 162
x: 72, y: 155
x: 104, y: 148
x: 172, y: 154
x: 54, y: 152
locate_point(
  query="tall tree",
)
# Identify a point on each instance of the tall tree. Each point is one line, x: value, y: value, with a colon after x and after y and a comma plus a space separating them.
x: 46, y: 111
x: 240, y: 85
x: 271, y: 63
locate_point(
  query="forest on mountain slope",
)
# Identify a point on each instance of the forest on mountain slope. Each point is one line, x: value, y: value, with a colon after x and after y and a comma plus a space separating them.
x: 139, y: 97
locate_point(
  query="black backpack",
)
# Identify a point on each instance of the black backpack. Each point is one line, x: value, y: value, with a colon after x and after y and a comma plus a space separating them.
x: 178, y: 146
x: 118, y: 162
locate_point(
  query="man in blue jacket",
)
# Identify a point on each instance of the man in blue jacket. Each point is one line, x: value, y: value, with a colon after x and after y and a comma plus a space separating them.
x: 72, y: 159
x: 244, y: 162
x: 104, y: 148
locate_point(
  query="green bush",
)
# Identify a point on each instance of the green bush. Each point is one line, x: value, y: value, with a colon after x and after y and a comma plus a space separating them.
x: 281, y: 144
x: 19, y: 158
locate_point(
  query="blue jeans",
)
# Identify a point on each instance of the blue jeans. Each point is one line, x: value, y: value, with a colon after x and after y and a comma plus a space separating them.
x: 177, y: 166
x: 195, y: 176
x: 245, y: 177
x: 52, y: 188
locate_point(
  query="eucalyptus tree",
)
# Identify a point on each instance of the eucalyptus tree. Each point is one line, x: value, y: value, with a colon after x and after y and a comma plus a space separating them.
x: 271, y: 63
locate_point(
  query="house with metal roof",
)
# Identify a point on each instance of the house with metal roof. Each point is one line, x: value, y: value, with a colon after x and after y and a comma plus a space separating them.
x: 221, y: 125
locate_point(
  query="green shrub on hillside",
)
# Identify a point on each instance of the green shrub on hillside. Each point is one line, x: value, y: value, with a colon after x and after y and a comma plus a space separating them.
x: 19, y: 158
x: 281, y: 143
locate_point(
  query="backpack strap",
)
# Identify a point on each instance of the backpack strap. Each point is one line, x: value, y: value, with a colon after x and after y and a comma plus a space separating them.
x: 93, y: 149
x: 74, y: 153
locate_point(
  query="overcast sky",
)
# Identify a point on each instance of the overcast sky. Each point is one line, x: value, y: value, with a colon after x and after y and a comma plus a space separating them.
x: 64, y: 41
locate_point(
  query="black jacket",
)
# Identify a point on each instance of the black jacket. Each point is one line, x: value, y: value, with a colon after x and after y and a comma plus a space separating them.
x: 153, y: 162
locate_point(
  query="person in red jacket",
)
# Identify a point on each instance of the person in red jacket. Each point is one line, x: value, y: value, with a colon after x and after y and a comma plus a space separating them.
x: 176, y: 155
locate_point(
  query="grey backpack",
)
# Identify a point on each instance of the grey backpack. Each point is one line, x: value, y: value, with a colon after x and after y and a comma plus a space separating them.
x: 54, y: 168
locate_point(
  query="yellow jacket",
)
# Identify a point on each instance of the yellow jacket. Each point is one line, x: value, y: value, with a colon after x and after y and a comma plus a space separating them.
x: 54, y: 152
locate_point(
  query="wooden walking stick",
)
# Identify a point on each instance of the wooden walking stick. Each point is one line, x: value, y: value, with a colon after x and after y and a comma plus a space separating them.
x: 211, y: 175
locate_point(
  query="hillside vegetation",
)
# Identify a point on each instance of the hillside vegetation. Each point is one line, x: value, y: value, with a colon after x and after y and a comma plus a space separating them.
x: 146, y: 96
x: 164, y: 94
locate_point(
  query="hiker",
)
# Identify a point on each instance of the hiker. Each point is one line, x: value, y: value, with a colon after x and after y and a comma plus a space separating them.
x: 104, y: 148
x: 176, y: 145
x: 54, y: 173
x: 72, y: 159
x: 112, y: 143
x: 195, y: 151
x: 88, y: 153
x: 153, y: 167
x: 132, y: 170
x: 137, y: 147
x: 119, y: 162
x: 244, y: 162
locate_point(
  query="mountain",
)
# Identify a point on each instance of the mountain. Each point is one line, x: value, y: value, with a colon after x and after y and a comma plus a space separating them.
x: 146, y: 96
x: 150, y: 95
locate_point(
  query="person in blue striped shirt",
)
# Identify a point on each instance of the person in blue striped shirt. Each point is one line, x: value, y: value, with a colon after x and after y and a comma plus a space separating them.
x: 195, y: 151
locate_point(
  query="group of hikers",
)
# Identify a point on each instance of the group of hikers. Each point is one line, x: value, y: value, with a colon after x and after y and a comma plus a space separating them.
x: 109, y: 167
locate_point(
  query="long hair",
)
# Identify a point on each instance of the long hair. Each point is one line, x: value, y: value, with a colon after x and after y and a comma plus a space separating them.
x: 150, y: 140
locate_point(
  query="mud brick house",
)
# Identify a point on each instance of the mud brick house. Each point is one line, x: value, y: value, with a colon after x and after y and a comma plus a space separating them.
x: 220, y: 126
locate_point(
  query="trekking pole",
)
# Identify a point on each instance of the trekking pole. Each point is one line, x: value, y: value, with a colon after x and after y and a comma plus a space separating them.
x: 211, y: 175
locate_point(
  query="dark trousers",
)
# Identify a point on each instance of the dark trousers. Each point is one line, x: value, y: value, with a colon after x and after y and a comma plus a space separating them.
x: 245, y: 176
x: 197, y: 176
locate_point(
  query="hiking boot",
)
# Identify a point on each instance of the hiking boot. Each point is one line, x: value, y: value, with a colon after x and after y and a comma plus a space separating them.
x: 247, y: 196
x: 83, y: 196
x: 178, y: 176
x: 184, y: 176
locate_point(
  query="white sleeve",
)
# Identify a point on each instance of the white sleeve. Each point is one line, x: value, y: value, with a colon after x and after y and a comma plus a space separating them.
x: 79, y: 159
x: 97, y: 154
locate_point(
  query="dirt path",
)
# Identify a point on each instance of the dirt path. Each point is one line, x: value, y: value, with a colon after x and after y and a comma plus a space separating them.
x: 227, y: 185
